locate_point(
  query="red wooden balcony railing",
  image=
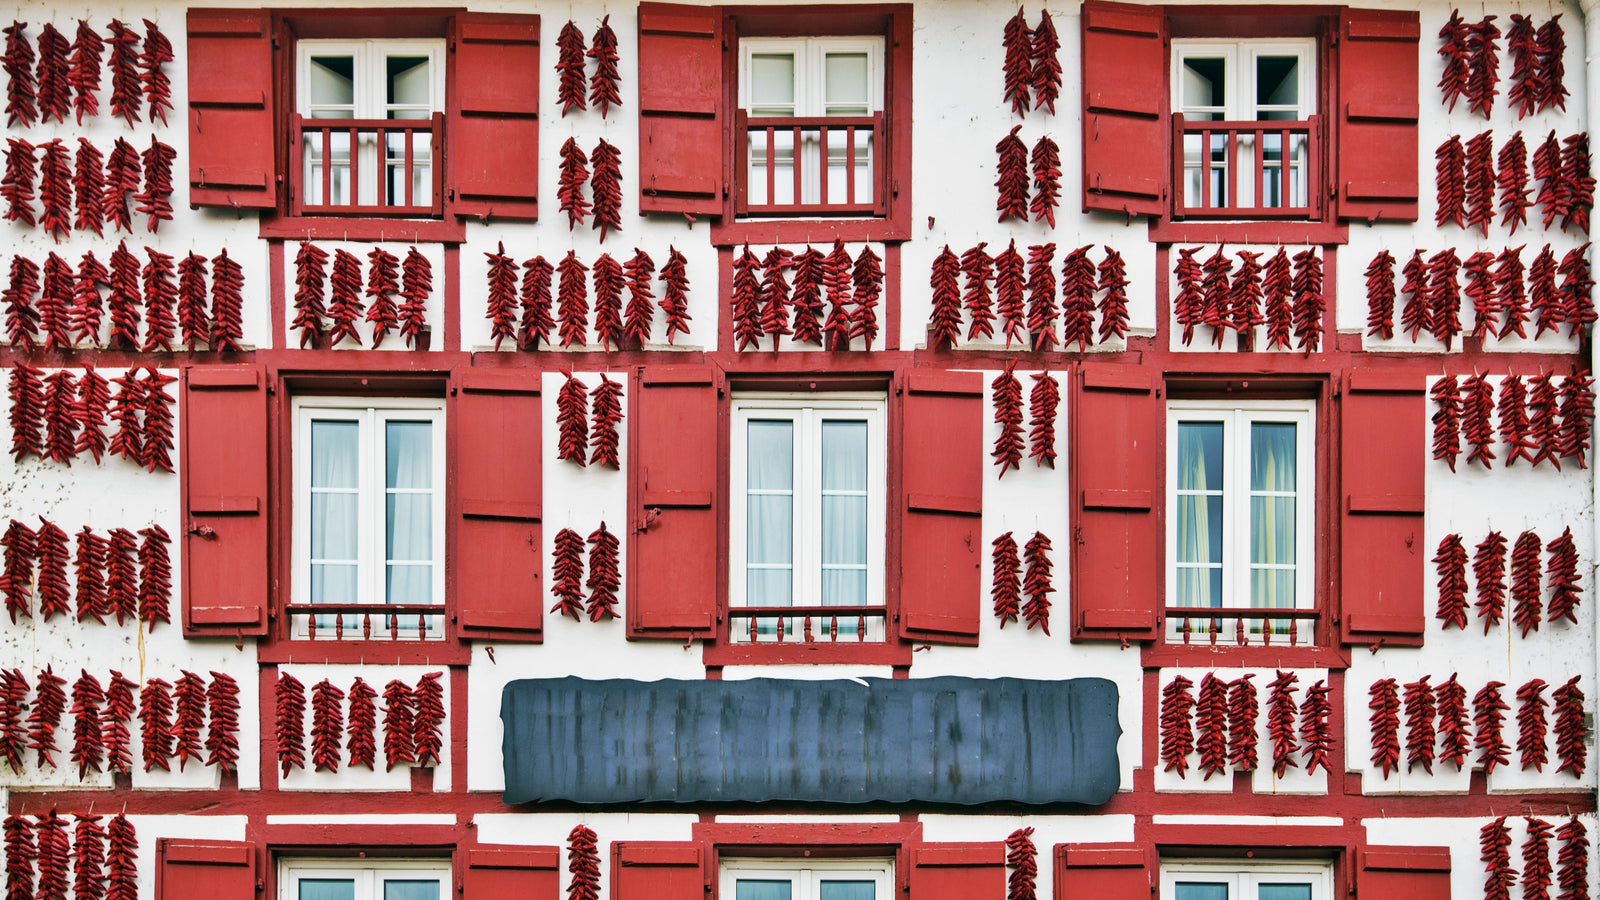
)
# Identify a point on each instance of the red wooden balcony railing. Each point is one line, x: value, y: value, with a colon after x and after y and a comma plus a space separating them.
x: 366, y: 621
x: 366, y: 145
x: 800, y: 168
x: 1293, y: 171
x: 808, y: 624
x: 1249, y: 626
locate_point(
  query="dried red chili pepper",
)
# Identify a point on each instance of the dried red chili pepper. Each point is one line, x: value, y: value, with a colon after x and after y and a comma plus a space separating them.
x: 537, y: 322
x: 606, y: 408
x: 20, y: 854
x: 189, y: 698
x: 604, y: 91
x: 1512, y: 180
x: 1008, y: 295
x: 21, y: 545
x: 383, y: 282
x: 1046, y: 63
x: 84, y: 72
x: 1576, y: 407
x: 54, y: 92
x: 638, y: 318
x: 583, y: 863
x: 327, y: 725
x: 429, y: 722
x: 1444, y: 296
x: 1494, y: 841
x: 1415, y: 318
x: 310, y: 279
x: 836, y: 279
x: 1012, y: 183
x: 1007, y: 400
x: 1526, y: 595
x: 122, y: 575
x: 1211, y: 724
x: 1481, y: 86
x: 1544, y: 428
x: 156, y: 198
x: 88, y: 858
x: 54, y: 849
x: 1308, y: 300
x: 55, y: 190
x: 1509, y: 293
x: 567, y: 574
x: 1477, y: 409
x: 944, y: 323
x: 1450, y: 183
x: 1453, y: 744
x: 572, y: 421
x: 1488, y: 714
x: 127, y: 410
x: 90, y: 562
x: 94, y: 398
x: 123, y: 171
x: 1177, y: 736
x: 1536, y: 860
x: 1552, y: 46
x: 17, y: 185
x: 157, y: 87
x: 222, y: 722
x: 158, y: 433
x: 605, y: 187
x: 1077, y: 299
x: 1522, y: 43
x: 1553, y: 197
x: 1046, y: 180
x: 1488, y: 570
x: 194, y: 321
x: 123, y: 302
x: 502, y: 295
x: 675, y: 290
x: 1384, y: 701
x: 806, y: 298
x: 60, y: 415
x: 1188, y: 304
x: 345, y: 309
x: 1576, y: 288
x: 122, y: 860
x: 1021, y: 854
x: 363, y: 725
x: 572, y: 300
x: 289, y: 723
x: 1480, y: 291
x: 1042, y: 308
x: 160, y: 300
x: 1042, y: 403
x: 1573, y: 860
x: 1018, y: 41
x: 867, y: 279
x: 1380, y: 296
x: 1457, y: 52
x: 608, y: 302
x: 1478, y: 196
x: 227, y: 304
x: 1446, y: 395
x: 87, y: 308
x: 49, y: 702
x: 570, y: 89
x: 18, y: 65
x: 978, y: 268
x: 21, y: 316
x: 1114, y: 300
x: 1036, y: 582
x: 124, y: 63
x: 604, y: 576
x: 13, y: 730
x: 1006, y: 585
x: 416, y: 284
x: 1420, y: 734
x: 55, y: 597
x: 1278, y: 286
x: 1281, y: 712
x: 1543, y: 296
x: 1243, y: 710
x: 118, y: 713
x: 1569, y: 728
x: 1577, y: 181
x: 399, y: 725
x: 1564, y: 582
x: 27, y: 411
x: 155, y: 724
x: 1531, y: 725
x: 569, y: 186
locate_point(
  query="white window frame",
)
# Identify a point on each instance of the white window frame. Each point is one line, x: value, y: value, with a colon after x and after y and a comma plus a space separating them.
x: 1237, y: 417
x: 805, y: 875
x: 368, y: 874
x: 808, y: 412
x: 370, y: 413
x: 1244, y: 876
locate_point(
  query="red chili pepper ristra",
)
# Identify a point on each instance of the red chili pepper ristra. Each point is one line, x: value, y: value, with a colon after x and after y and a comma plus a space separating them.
x: 1510, y: 295
x: 675, y: 291
x: 604, y: 90
x: 84, y: 72
x: 1450, y: 183
x: 123, y: 171
x: 1420, y: 734
x: 1578, y: 181
x: 1384, y: 701
x: 55, y: 190
x: 836, y: 279
x: 502, y: 295
x: 1488, y: 714
x: 27, y: 411
x: 1569, y: 728
x: 60, y: 416
x: 1177, y: 735
x: 1243, y: 710
x: 1526, y: 595
x: 21, y: 546
x: 345, y: 309
x: 1453, y: 739
x: 1046, y: 180
x: 54, y: 850
x: 1563, y: 572
x: 87, y: 307
x: 1007, y: 399
x: 1553, y: 198
x: 806, y: 298
x: 606, y: 407
x: 429, y: 720
x: 1536, y: 860
x: 157, y: 87
x: 118, y: 715
x: 1489, y: 572
x: 20, y: 854
x: 127, y: 409
x: 572, y: 300
x: 1480, y: 290
x: 1023, y: 859
x: 194, y: 320
x: 1009, y: 295
x: 383, y: 282
x: 1114, y: 300
x: 1444, y: 296
x: 608, y: 302
x: 569, y: 186
x: 867, y: 279
x: 126, y: 86
x: 1380, y: 296
x: 1415, y: 318
x: 1018, y: 42
x: 222, y: 722
x: 1036, y: 582
x: 1512, y: 181
x: 1077, y: 299
x: 1211, y: 725
x: 327, y: 725
x: 1577, y: 307
x: 88, y: 858
x: 227, y: 304
x: 538, y: 322
x: 571, y: 87
x: 978, y: 268
x: 21, y: 316
x: 13, y: 729
x: 49, y: 702
x: 1281, y: 712
x: 310, y: 279
x: 289, y: 723
x: 583, y: 864
x: 1576, y: 407
x: 90, y: 562
x: 604, y: 577
x: 572, y: 421
x: 1572, y: 860
x: 160, y: 302
x: 638, y: 318
x: 189, y: 699
x: 54, y: 91
x: 17, y: 185
x: 399, y: 725
x: 18, y: 65
x: 1552, y: 46
x: 1522, y: 43
x: 1477, y: 410
x: 156, y: 198
x: 1279, y: 288
x: 122, y: 575
x: 1042, y: 308
x: 605, y: 187
x: 122, y: 860
x: 1513, y: 412
x: 1483, y: 83
x: 55, y: 301
x: 363, y: 726
x: 416, y: 285
x: 1494, y: 841
x: 1446, y: 395
x: 1006, y: 585
x: 1308, y: 300
x: 1046, y: 64
x: 1012, y: 180
x: 158, y: 433
x: 1042, y: 403
x: 567, y: 574
x: 1478, y: 201
x: 944, y: 323
x: 1457, y: 53
x: 55, y: 597
x: 88, y: 744
x: 155, y: 724
x: 1531, y: 728
x: 1188, y: 304
x: 1544, y: 428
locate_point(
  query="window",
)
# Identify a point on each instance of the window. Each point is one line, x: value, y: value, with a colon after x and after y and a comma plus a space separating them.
x: 822, y: 97
x: 368, y: 516
x: 1224, y: 94
x: 364, y: 879
x: 808, y: 879
x: 1239, y: 526
x: 809, y: 487
x: 1239, y: 880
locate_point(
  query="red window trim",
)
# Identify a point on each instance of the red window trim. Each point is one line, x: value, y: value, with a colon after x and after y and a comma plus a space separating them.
x: 893, y: 21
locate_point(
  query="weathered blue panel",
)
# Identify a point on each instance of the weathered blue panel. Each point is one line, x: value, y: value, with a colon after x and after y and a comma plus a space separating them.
x: 934, y: 740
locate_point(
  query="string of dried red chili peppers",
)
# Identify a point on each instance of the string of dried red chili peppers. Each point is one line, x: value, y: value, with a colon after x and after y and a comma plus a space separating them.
x: 1077, y: 299
x: 1446, y: 395
x: 1114, y: 299
x: 608, y: 283
x: 572, y: 421
x: 1316, y: 733
x: 363, y: 725
x: 1177, y: 735
x: 1488, y: 571
x: 604, y: 577
x: 944, y: 322
x: 429, y: 719
x: 222, y: 722
x: 1036, y: 582
x: 1380, y: 296
x: 570, y: 87
x: 117, y: 718
x: 572, y: 300
x: 605, y: 187
x: 1569, y: 729
x: 1488, y: 715
x: 1007, y: 399
x: 1043, y: 401
x: 155, y: 724
x: 1281, y: 712
x: 537, y: 299
x: 640, y: 313
x: 1572, y: 860
x: 977, y: 266
x: 567, y: 574
x: 49, y: 702
x: 88, y: 745
x: 383, y: 282
x: 1494, y: 842
x: 290, y: 723
x: 189, y: 702
x: 399, y: 725
x: 1211, y: 724
x: 1563, y: 578
x: 1046, y: 159
x: 606, y: 407
x: 1022, y: 857
x: 1012, y: 181
x: 1526, y: 595
x: 604, y: 89
x: 1243, y: 710
x: 1531, y: 725
x: 327, y: 725
x: 1006, y: 581
x: 674, y: 294
x: 1420, y: 734
x: 1536, y: 860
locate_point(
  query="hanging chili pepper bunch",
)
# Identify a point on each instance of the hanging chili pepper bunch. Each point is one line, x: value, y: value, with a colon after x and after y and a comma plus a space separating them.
x: 1243, y: 711
x: 569, y: 190
x: 88, y: 857
x: 1042, y: 309
x: 156, y: 198
x: 1512, y: 181
x: 1009, y: 294
x: 327, y: 725
x: 18, y: 66
x: 572, y: 421
x: 1451, y: 700
x: 1482, y: 84
x: 429, y: 696
x: 1077, y: 299
x: 1569, y: 728
x: 502, y: 310
x: 1043, y: 401
x: 1006, y: 585
x: 55, y: 190
x: 1572, y: 860
x: 604, y: 576
x: 50, y: 550
x: 1012, y: 182
x: 978, y: 268
x: 310, y: 279
x: 537, y: 299
x: 1479, y: 182
x: 1022, y: 857
x: 1281, y: 711
x: 290, y: 723
x: 1477, y: 427
x: 1531, y: 725
x: 84, y: 73
x: 1036, y: 582
x: 118, y: 714
x: 604, y: 90
x: 363, y: 723
x: 1526, y: 596
x: 383, y: 282
x: 867, y: 281
x: 944, y: 323
x: 1216, y: 294
x: 675, y: 293
x: 567, y: 574
x: 1522, y: 43
x: 1488, y: 715
x: 570, y: 89
x: 49, y: 702
x: 1046, y: 180
x: 603, y: 435
x: 1380, y: 296
x: 1494, y: 841
x: 1177, y: 735
x: 608, y: 302
x: 54, y: 91
x: 1488, y: 571
x: 1018, y: 41
x: 1446, y: 395
x: 837, y: 282
x: 1536, y: 860
x: 157, y: 87
x: 1450, y: 165
x: 126, y: 86
x: 1007, y: 399
x: 21, y: 851
x: 1114, y: 298
x: 21, y: 316
x: 123, y: 171
x: 87, y: 309
x: 572, y: 300
x: 193, y: 321
x: 227, y: 303
x: 1420, y: 734
x: 155, y: 724
x: 639, y: 316
x: 1211, y: 723
x: 90, y: 562
x: 1578, y: 182
x: 345, y: 310
x: 189, y: 701
x: 50, y: 831
x: 399, y: 725
x: 1563, y: 578
x: 416, y: 284
x: 122, y: 574
x: 1316, y: 734
x: 155, y: 576
x: 21, y: 548
x: 605, y: 186
x: 88, y: 745
x: 160, y: 299
x: 222, y: 724
x: 13, y: 726
x: 583, y: 864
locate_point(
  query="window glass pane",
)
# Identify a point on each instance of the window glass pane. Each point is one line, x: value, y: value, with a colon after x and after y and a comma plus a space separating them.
x: 410, y: 527
x: 333, y: 583
x: 751, y: 889
x: 408, y: 452
x: 327, y: 889
x: 1204, y: 85
x: 846, y: 890
x: 845, y: 77
x: 1278, y: 81
x: 333, y: 526
x: 1272, y: 530
x: 1283, y: 892
x: 1192, y: 890
x: 331, y: 81
x: 1272, y: 588
x: 408, y: 83
x: 769, y: 545
x: 772, y: 81
x: 1200, y: 456
x: 408, y: 584
x: 1200, y: 529
x: 1200, y: 586
x: 333, y: 454
x: 844, y: 456
x: 844, y: 513
x: 1272, y: 456
x: 395, y: 889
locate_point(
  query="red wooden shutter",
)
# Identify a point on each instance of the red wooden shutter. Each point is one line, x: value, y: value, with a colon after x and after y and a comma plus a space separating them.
x: 958, y: 870
x: 232, y: 158
x: 1381, y: 452
x: 494, y: 872
x: 1103, y: 871
x: 216, y: 870
x: 224, y: 468
x: 496, y: 565
x: 1117, y: 558
x: 673, y: 554
x: 1377, y: 115
x: 1125, y: 136
x: 658, y: 870
x: 492, y: 141
x: 941, y: 534
x: 680, y: 109
x: 1417, y: 873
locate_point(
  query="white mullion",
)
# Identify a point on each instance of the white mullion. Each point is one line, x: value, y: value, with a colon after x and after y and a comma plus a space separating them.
x: 369, y: 527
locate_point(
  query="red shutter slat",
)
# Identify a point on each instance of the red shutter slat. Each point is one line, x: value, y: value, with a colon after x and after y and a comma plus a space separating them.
x: 1377, y: 115
x: 680, y: 109
x: 1102, y: 871
x: 492, y: 139
x: 672, y: 558
x: 958, y: 870
x: 941, y: 536
x: 496, y: 871
x: 1125, y: 135
x: 231, y: 147
x: 1382, y: 447
x: 498, y: 590
x: 216, y: 870
x: 1420, y: 873
x: 659, y: 870
x: 224, y: 469
x: 1117, y: 558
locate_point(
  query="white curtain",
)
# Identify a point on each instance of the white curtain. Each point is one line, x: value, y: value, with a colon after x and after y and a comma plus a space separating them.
x: 751, y: 889
x: 408, y: 513
x: 769, y: 526
x: 1272, y: 517
x: 335, y: 510
x: 845, y: 890
x: 408, y: 889
x: 1199, y: 524
x: 844, y: 513
x: 327, y: 889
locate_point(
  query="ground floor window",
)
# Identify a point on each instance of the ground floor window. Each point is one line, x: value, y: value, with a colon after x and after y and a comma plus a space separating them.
x: 808, y: 879
x: 1246, y: 880
x: 364, y: 879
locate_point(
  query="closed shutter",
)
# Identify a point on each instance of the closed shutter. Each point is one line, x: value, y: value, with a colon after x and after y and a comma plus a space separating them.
x: 232, y: 156
x: 1125, y: 135
x: 657, y: 870
x: 1117, y: 559
x: 492, y: 141
x: 215, y: 870
x: 954, y: 870
x: 680, y: 109
x: 1103, y: 871
x: 224, y: 468
x: 1377, y: 115
x: 673, y: 445
x: 499, y: 488
x: 1416, y: 873
x: 941, y: 535
x: 1381, y: 470
x: 527, y: 873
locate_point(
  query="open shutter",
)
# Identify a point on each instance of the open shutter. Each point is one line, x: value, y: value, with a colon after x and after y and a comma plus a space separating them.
x: 492, y: 142
x: 958, y: 870
x: 673, y: 445
x: 1417, y: 873
x: 1377, y: 152
x: 680, y: 109
x: 941, y: 534
x: 494, y: 872
x: 216, y: 870
x: 232, y: 158
x: 1103, y: 871
x: 224, y: 468
x: 1125, y: 136
x: 498, y: 591
x: 1117, y: 558
x: 658, y: 870
x: 1383, y: 435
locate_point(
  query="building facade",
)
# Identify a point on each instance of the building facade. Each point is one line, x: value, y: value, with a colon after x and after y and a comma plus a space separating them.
x: 768, y: 452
